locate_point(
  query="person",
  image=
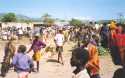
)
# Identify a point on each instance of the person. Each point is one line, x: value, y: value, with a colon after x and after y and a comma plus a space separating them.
x: 9, y: 52
x: 119, y: 73
x: 22, y: 62
x: 93, y: 63
x: 120, y: 39
x: 116, y: 45
x: 79, y: 59
x: 104, y: 35
x: 66, y: 34
x: 36, y: 47
x: 59, y: 41
x: 20, y: 33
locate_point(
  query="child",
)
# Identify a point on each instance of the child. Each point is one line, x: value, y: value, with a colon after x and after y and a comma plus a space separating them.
x: 79, y: 59
x: 22, y: 62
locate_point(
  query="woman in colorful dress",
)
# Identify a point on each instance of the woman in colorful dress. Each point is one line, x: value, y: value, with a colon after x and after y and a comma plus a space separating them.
x: 93, y: 63
x: 36, y: 47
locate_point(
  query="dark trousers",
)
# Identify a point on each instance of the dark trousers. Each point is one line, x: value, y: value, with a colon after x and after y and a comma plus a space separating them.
x: 114, y: 51
x: 95, y: 76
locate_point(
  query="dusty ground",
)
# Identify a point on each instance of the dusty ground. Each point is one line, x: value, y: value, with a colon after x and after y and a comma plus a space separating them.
x: 49, y: 68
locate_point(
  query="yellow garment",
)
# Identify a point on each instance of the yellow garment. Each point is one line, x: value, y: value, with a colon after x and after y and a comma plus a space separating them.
x: 37, y: 56
x: 113, y: 25
x: 66, y: 34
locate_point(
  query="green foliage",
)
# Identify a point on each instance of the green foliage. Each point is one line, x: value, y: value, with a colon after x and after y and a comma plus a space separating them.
x: 75, y: 22
x: 9, y: 17
x: 0, y: 18
x: 62, y: 20
x: 102, y: 51
x: 28, y: 21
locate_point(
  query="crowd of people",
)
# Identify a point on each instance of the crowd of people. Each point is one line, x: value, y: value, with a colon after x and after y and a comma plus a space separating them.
x: 84, y: 57
x: 14, y: 33
x: 110, y: 36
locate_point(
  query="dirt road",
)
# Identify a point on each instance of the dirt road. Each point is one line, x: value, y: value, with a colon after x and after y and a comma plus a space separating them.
x: 49, y: 68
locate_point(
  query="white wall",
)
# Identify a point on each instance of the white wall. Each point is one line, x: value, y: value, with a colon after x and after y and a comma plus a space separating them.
x: 18, y: 25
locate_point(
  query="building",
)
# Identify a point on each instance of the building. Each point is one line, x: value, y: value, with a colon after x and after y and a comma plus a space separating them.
x: 15, y: 24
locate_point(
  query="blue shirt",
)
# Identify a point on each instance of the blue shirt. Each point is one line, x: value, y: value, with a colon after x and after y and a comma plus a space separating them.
x: 22, y: 61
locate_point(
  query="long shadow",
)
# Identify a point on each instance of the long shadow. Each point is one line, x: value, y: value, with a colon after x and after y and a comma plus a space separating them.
x: 119, y: 73
x: 52, y: 60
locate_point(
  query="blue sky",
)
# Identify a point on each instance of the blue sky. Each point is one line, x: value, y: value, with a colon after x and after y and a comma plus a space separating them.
x: 65, y: 9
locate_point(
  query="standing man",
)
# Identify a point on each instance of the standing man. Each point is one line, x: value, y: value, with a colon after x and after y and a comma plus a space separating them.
x: 59, y: 41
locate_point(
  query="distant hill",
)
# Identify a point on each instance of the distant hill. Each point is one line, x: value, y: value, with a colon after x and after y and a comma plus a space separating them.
x: 1, y: 15
x: 22, y: 18
x: 36, y: 19
x: 108, y: 21
x: 103, y: 21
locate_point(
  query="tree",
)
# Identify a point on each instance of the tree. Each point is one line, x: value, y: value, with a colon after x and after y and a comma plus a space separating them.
x: 46, y: 15
x: 27, y: 21
x: 9, y: 17
x: 76, y: 22
x: 47, y: 19
x: 62, y: 20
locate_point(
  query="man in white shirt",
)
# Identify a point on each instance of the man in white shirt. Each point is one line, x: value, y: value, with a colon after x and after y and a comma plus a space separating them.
x: 59, y: 41
x: 20, y: 33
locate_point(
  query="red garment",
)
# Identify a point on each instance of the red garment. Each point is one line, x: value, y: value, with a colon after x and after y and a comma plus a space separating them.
x: 112, y: 38
x: 120, y: 40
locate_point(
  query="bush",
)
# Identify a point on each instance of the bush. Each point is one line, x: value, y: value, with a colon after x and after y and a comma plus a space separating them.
x: 102, y: 51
